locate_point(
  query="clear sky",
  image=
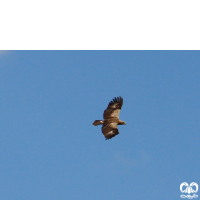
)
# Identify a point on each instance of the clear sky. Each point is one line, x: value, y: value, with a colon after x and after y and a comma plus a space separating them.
x: 49, y: 148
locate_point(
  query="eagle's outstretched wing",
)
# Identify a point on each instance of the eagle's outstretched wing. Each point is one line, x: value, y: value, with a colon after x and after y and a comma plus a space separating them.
x: 111, y: 118
x: 109, y: 130
x: 113, y: 108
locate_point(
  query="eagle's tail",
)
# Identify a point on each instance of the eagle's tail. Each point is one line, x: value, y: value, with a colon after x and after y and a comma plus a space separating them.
x: 98, y: 122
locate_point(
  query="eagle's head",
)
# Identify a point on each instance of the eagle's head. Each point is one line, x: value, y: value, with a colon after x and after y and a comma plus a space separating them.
x: 121, y: 122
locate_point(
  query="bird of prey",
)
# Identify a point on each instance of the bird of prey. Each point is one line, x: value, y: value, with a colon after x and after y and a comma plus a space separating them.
x: 111, y: 118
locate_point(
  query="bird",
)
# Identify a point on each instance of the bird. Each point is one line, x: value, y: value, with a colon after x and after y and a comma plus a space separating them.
x: 111, y: 118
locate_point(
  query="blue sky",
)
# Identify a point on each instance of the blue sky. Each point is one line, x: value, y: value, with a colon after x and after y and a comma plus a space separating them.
x: 49, y: 148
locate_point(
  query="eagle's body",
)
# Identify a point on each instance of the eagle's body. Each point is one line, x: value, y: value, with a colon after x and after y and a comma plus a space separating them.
x: 111, y: 118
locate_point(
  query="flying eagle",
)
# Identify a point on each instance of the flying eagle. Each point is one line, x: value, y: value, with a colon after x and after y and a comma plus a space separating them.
x: 111, y: 118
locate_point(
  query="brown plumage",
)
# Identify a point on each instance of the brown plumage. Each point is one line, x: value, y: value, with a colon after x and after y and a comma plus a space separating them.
x: 111, y: 118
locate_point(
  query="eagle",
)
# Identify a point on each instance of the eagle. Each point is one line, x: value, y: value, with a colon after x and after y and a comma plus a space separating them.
x: 111, y: 118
